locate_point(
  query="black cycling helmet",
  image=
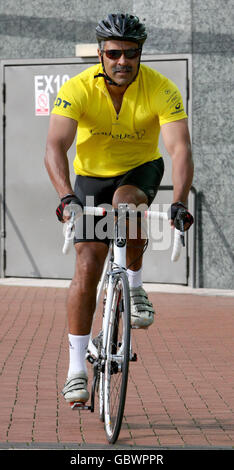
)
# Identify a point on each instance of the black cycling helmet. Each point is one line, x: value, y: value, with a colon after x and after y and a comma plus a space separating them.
x: 121, y: 27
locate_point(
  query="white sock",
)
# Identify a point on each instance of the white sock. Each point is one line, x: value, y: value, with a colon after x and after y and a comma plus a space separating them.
x: 77, y: 352
x: 134, y: 277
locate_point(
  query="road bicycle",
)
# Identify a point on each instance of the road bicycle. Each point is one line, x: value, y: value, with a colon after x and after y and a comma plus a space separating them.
x: 111, y: 350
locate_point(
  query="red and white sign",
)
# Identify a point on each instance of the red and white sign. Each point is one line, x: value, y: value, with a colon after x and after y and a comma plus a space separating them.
x: 42, y: 103
x: 47, y: 86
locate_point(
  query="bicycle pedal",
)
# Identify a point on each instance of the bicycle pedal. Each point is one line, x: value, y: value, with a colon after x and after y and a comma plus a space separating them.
x: 134, y: 357
x: 136, y: 327
x: 79, y: 405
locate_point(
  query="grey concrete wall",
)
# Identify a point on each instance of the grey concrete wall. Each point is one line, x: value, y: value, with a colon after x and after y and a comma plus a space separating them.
x: 213, y: 138
x: 42, y: 29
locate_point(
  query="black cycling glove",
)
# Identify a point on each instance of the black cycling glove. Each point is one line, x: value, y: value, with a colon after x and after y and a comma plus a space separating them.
x: 181, y: 216
x: 69, y: 198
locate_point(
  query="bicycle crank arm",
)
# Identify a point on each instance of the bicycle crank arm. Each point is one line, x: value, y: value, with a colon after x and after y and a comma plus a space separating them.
x: 78, y: 405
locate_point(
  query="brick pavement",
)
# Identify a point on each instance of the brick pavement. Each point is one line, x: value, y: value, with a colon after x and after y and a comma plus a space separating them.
x: 180, y: 392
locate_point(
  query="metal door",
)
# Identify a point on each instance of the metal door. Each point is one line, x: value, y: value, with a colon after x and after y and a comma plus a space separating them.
x: 33, y: 239
x: 157, y: 263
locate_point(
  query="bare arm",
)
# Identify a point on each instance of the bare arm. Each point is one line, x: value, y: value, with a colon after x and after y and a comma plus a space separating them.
x: 62, y: 131
x: 177, y: 142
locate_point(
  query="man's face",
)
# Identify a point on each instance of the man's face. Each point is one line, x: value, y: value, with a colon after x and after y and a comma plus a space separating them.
x: 122, y: 70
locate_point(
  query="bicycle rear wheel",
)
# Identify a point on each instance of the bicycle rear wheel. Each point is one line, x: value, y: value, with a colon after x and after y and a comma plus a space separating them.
x: 117, y: 358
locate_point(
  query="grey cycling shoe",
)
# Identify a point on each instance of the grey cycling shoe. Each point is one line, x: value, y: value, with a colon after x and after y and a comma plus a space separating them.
x: 142, y: 311
x: 75, y: 388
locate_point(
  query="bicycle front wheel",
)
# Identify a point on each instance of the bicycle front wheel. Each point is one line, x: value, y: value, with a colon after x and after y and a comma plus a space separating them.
x: 117, y: 358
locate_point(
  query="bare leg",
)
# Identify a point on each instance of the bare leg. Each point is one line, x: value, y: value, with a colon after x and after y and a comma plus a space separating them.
x: 90, y: 257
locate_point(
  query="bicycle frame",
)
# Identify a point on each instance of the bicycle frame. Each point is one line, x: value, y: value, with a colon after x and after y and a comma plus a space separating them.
x: 115, y: 263
x: 116, y: 257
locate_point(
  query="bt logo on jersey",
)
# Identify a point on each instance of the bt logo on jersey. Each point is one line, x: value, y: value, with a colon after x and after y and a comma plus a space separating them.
x: 59, y: 101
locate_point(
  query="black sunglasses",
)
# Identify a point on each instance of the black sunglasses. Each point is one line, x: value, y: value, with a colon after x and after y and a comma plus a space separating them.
x: 117, y: 53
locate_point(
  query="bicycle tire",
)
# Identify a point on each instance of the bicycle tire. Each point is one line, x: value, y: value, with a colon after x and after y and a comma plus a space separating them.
x: 100, y: 377
x: 117, y: 358
x: 101, y: 397
x: 101, y: 371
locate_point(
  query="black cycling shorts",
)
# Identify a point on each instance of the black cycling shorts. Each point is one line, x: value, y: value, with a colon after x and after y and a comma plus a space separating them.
x: 93, y: 191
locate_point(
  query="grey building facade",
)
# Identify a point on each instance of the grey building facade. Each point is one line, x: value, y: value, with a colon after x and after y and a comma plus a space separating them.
x: 51, y: 29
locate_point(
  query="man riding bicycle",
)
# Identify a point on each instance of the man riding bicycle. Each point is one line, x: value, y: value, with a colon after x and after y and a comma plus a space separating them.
x: 117, y: 108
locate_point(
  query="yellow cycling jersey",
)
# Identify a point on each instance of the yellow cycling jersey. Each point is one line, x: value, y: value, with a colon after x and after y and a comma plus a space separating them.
x: 109, y: 144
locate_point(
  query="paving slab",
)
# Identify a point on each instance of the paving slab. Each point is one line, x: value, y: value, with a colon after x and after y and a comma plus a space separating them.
x: 180, y: 391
